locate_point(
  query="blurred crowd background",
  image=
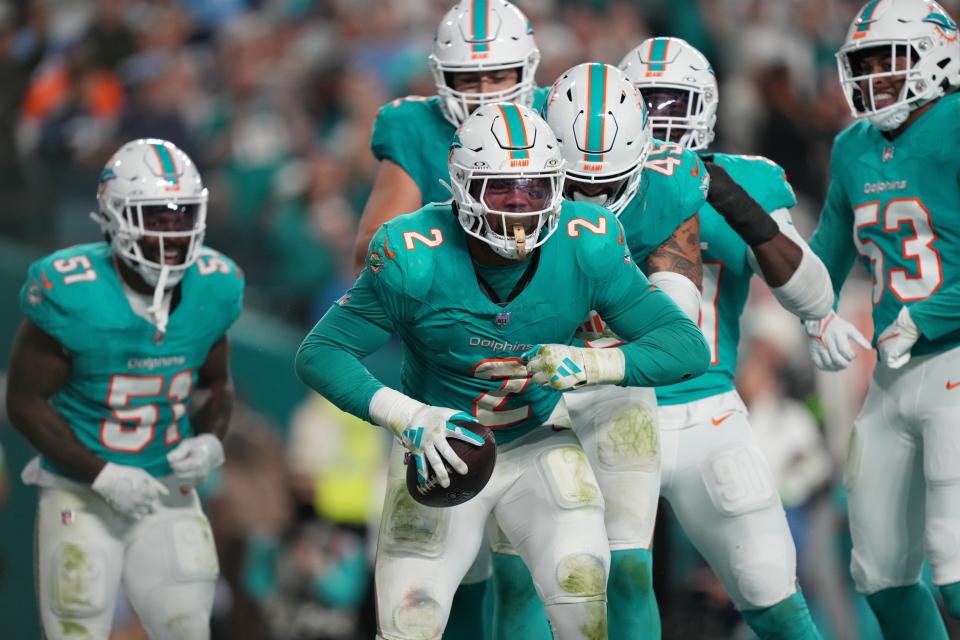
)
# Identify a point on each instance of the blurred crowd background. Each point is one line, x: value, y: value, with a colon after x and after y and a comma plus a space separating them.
x: 274, y: 100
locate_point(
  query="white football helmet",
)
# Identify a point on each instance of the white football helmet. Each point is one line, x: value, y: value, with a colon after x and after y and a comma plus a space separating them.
x: 153, y: 208
x: 507, y: 148
x: 920, y: 41
x: 679, y: 88
x: 482, y: 35
x: 604, y: 136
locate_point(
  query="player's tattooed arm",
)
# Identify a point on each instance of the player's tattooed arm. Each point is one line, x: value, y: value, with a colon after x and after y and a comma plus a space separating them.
x: 215, y: 400
x: 680, y: 253
x: 39, y: 367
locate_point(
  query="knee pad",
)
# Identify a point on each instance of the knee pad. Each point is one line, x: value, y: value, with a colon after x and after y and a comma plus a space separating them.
x: 764, y: 571
x: 184, y: 626
x: 581, y: 577
x: 194, y: 551
x: 943, y: 548
x: 79, y: 582
x: 411, y: 528
x: 570, y: 478
x: 739, y: 481
x: 628, y: 439
x: 418, y: 615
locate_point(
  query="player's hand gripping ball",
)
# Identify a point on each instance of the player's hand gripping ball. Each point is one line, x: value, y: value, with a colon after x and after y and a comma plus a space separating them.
x: 480, y: 460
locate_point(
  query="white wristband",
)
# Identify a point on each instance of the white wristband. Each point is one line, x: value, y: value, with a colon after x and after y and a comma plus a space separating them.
x: 604, y: 366
x: 393, y: 410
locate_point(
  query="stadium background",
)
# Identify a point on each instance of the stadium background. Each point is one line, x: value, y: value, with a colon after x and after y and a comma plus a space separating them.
x: 274, y: 100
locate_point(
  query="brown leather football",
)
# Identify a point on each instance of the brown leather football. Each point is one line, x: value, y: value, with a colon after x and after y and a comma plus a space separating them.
x: 480, y: 462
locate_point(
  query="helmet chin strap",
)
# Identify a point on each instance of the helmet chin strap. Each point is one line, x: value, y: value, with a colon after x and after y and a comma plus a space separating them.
x: 157, y: 309
x: 891, y: 120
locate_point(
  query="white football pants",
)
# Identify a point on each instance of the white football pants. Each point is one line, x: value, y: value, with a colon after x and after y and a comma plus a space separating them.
x: 903, y: 475
x: 545, y: 499
x: 166, y: 562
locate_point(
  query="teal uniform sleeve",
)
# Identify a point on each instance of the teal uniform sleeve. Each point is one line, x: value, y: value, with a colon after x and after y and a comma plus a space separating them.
x: 832, y: 241
x: 394, y: 138
x: 361, y: 322
x: 41, y: 305
x: 662, y: 345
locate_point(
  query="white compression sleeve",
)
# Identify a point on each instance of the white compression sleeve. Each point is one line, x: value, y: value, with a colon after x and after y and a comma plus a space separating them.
x: 680, y: 289
x: 808, y: 294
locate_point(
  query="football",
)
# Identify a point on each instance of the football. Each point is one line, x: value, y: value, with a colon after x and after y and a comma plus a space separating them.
x: 480, y: 462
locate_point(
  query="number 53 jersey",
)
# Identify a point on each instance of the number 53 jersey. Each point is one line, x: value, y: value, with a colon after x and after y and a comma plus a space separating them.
x: 896, y: 204
x: 128, y: 390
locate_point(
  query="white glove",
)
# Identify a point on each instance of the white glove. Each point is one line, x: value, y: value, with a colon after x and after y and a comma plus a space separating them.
x: 131, y: 491
x: 196, y: 457
x: 829, y: 342
x: 563, y: 367
x: 424, y: 430
x: 895, y: 342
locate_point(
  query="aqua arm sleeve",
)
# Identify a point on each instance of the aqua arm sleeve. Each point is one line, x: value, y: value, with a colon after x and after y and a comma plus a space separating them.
x: 328, y: 360
x: 832, y: 241
x: 662, y: 345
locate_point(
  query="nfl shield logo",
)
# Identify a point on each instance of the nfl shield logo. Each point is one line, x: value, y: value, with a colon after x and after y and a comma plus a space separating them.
x: 502, y: 319
x: 66, y: 516
x: 887, y: 154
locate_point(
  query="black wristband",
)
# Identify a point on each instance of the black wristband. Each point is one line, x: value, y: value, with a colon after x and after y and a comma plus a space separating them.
x: 742, y: 213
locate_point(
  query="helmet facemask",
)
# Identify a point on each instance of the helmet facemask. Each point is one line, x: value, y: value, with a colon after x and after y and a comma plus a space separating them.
x: 159, y: 240
x: 456, y: 104
x: 513, y: 214
x: 873, y: 94
x: 613, y: 192
x: 678, y: 114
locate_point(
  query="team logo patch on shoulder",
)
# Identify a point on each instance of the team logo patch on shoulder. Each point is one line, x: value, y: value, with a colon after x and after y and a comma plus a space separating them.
x: 374, y: 262
x: 35, y: 293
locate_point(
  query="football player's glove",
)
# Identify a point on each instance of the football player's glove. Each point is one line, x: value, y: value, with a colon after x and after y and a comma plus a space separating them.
x: 829, y: 342
x: 129, y: 490
x: 424, y: 430
x: 196, y: 457
x: 562, y: 367
x: 896, y: 340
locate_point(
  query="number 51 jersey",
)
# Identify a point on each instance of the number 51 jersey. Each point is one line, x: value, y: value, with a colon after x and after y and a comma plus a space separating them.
x: 128, y: 390
x: 900, y: 200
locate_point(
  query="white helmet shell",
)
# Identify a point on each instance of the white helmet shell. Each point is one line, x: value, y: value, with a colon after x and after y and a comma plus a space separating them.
x: 919, y: 30
x: 601, y: 126
x: 679, y: 90
x: 145, y: 173
x: 506, y: 141
x: 483, y: 35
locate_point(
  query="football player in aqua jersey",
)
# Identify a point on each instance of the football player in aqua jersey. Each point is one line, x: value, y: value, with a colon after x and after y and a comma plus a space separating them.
x: 894, y: 199
x: 117, y: 335
x: 483, y: 52
x: 656, y: 189
x: 486, y: 293
x: 713, y: 474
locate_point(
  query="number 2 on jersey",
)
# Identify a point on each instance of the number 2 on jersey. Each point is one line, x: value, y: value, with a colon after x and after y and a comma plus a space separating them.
x: 133, y: 428
x: 918, y: 248
x: 488, y: 406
